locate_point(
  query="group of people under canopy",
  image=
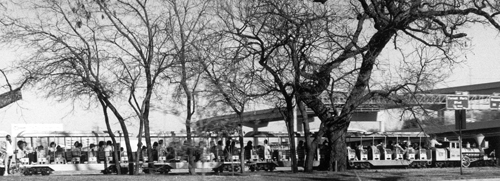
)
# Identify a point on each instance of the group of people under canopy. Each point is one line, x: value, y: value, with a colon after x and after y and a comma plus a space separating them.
x: 214, y: 151
x: 56, y: 153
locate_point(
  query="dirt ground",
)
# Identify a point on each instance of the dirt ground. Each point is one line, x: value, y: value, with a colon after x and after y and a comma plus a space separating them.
x: 481, y: 173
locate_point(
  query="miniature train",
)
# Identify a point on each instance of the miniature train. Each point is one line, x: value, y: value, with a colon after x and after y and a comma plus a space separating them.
x: 446, y: 156
x: 69, y: 160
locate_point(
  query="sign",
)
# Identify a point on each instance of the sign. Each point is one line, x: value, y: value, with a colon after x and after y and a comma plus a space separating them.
x: 34, y: 128
x: 457, y: 102
x: 495, y: 102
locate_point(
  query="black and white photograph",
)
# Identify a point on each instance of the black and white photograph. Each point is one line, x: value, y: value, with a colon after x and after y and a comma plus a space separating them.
x: 250, y: 90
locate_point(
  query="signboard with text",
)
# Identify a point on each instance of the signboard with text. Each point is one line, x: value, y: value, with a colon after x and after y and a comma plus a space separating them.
x: 455, y: 102
x: 495, y: 102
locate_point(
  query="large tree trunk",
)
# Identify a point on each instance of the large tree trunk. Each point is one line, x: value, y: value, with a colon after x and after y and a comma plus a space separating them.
x: 338, y: 151
x: 139, y: 149
x: 291, y: 134
x: 123, y: 126
x: 310, y: 149
x: 147, y: 136
x: 189, y: 145
x: 240, y: 136
x: 113, y: 139
x: 112, y: 135
x: 145, y: 117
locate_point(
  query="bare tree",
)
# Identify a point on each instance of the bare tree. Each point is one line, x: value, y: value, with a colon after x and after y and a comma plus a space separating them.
x: 230, y: 79
x: 434, y: 24
x: 188, y: 22
x: 338, y: 44
x: 259, y: 31
x: 95, y: 49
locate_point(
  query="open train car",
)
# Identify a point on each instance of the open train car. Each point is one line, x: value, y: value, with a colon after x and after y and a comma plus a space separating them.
x: 388, y: 149
x: 205, y: 159
x: 403, y: 154
x: 43, y: 161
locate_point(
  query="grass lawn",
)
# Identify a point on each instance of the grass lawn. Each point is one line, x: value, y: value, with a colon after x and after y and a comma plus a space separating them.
x: 490, y: 173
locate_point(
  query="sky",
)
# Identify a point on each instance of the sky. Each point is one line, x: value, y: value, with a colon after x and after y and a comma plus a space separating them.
x: 482, y: 65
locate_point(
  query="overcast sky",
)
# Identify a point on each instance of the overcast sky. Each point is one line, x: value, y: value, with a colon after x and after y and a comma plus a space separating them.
x: 482, y: 65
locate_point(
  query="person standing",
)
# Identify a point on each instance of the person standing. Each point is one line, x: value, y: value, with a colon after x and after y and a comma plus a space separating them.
x: 248, y: 150
x: 8, y: 150
x: 267, y: 149
x: 434, y: 142
x: 301, y: 152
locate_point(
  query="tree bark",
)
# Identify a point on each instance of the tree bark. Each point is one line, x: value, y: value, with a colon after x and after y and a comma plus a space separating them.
x: 112, y: 135
x: 123, y: 126
x: 310, y: 150
x: 338, y: 151
x: 240, y: 136
x: 291, y: 134
x: 139, y: 149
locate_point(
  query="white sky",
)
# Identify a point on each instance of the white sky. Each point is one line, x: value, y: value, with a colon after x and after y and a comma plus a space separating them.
x: 481, y: 66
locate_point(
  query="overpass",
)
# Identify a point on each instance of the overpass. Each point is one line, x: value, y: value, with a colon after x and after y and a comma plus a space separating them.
x: 479, y: 96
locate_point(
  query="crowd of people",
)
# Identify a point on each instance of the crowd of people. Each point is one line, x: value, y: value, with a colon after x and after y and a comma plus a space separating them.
x: 213, y: 151
x: 53, y: 153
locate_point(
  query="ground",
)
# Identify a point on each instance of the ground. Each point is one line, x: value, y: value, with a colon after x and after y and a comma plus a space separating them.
x: 482, y: 173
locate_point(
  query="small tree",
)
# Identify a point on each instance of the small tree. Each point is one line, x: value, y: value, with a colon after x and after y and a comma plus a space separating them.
x: 188, y: 24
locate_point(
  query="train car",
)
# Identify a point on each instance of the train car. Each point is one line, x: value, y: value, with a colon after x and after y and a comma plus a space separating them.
x: 65, y: 159
x: 388, y: 152
x: 447, y: 155
x: 278, y: 144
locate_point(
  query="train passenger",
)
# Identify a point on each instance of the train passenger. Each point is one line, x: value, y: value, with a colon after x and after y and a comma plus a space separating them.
x: 161, y: 148
x: 248, y: 150
x: 220, y: 150
x: 40, y: 152
x: 301, y: 149
x: 100, y: 151
x: 170, y: 153
x: 143, y: 153
x: 267, y: 149
x: 123, y: 153
x: 154, y: 151
x: 21, y: 151
x: 101, y: 146
x: 360, y: 147
x: 108, y: 149
x: 202, y: 153
x: 158, y: 148
x: 228, y: 150
x: 397, y: 146
x: 7, y: 150
x: 91, y: 151
x: 59, y: 152
x: 390, y: 145
x: 76, y: 150
x: 215, y: 149
x: 415, y: 146
x: 404, y: 145
x: 51, y: 152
